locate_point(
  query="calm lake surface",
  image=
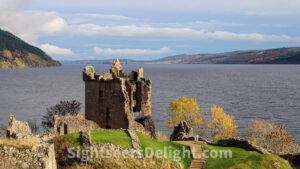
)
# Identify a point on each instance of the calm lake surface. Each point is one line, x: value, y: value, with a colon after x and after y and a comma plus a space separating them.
x: 268, y: 92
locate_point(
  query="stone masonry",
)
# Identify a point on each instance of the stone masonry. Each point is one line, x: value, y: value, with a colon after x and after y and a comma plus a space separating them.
x: 17, y: 129
x: 71, y: 124
x: 117, y: 99
x: 40, y: 156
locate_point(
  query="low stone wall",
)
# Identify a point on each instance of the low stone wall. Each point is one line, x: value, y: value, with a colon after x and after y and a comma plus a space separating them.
x: 86, y: 138
x: 41, y: 156
x: 240, y: 143
x: 134, y: 140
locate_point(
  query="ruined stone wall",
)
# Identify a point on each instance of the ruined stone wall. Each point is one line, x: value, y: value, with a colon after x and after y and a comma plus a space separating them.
x: 112, y: 110
x: 71, y: 124
x: 92, y: 102
x: 17, y: 129
x: 41, y: 156
x: 105, y: 103
x: 144, y: 88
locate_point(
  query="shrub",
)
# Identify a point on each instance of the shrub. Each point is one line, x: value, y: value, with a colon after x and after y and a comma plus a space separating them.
x: 161, y: 137
x: 272, y: 136
x: 222, y: 125
x: 61, y: 109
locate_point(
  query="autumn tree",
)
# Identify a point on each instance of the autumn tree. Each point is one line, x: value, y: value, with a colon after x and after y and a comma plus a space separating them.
x: 186, y: 109
x: 222, y: 125
x: 272, y: 136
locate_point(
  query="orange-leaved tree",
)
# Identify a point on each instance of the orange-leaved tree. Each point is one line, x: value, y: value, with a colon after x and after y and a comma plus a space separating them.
x: 186, y: 109
x: 222, y: 125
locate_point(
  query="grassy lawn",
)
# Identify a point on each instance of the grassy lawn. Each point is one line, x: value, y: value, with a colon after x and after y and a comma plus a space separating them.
x: 159, y: 145
x: 74, y: 138
x: 116, y: 137
x: 243, y: 159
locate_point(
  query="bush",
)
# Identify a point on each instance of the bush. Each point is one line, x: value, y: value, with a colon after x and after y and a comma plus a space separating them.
x: 222, y: 125
x: 61, y: 109
x: 271, y: 136
x: 161, y: 137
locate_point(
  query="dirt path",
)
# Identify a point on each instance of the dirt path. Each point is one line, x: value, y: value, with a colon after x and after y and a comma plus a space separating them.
x: 199, y: 160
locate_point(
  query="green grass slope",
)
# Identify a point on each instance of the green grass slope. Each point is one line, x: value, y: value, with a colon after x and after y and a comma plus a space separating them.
x: 74, y: 138
x: 116, y: 137
x: 244, y: 159
x: 171, y: 147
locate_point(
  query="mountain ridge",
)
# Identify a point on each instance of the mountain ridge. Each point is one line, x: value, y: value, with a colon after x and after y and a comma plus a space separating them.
x: 290, y: 55
x: 283, y: 55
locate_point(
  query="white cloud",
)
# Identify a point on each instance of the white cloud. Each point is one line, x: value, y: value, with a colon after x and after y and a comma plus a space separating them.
x: 78, y: 18
x: 109, y: 51
x: 169, y: 33
x: 31, y: 25
x: 55, y: 50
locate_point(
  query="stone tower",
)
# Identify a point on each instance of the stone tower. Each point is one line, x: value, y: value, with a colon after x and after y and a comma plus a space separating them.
x: 118, y: 100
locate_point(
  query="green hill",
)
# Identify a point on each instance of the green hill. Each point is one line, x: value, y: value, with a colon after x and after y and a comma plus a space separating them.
x: 15, y: 53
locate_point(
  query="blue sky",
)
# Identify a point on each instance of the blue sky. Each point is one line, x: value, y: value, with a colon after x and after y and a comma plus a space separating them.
x: 150, y: 29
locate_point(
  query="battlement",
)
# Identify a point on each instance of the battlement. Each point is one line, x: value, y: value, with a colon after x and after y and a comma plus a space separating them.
x: 116, y: 71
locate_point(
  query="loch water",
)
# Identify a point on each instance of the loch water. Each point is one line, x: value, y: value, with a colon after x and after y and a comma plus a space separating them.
x: 268, y: 92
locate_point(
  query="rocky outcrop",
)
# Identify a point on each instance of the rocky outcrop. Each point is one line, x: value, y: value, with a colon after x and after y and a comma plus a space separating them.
x: 41, y: 156
x: 17, y: 129
x: 293, y: 159
x: 181, y: 132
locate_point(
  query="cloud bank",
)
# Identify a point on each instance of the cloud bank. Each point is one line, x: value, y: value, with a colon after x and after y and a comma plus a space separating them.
x: 109, y: 51
x: 168, y: 33
x: 55, y: 50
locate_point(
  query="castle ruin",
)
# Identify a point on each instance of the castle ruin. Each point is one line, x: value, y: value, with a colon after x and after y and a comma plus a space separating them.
x: 119, y: 100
